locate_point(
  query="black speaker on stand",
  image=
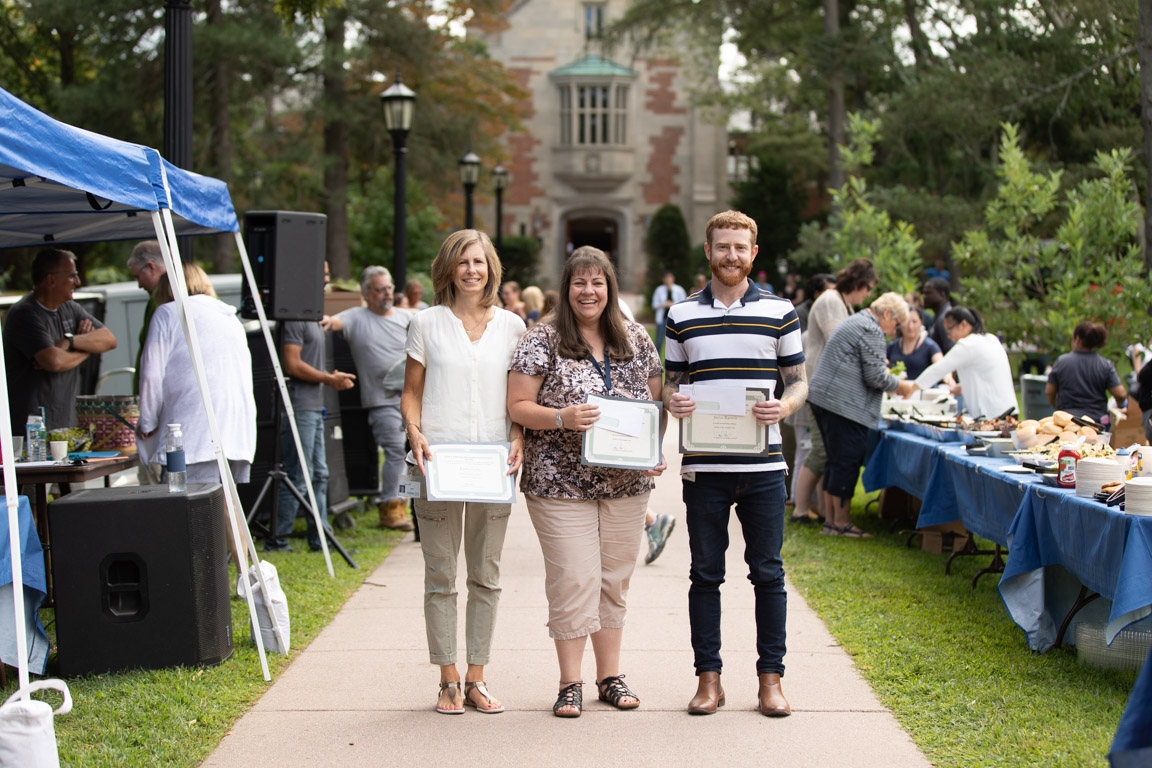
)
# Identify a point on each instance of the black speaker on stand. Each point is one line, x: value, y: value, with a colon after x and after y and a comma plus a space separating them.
x: 286, y: 249
x: 141, y: 578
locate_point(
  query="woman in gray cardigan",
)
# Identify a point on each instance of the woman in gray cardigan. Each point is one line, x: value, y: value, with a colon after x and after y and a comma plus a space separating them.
x: 845, y: 394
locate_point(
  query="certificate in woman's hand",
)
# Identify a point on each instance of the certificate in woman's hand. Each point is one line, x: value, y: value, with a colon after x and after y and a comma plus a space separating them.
x: 627, y: 435
x: 470, y: 472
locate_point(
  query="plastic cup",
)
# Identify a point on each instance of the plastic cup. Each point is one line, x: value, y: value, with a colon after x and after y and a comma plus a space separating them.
x: 18, y: 445
x: 59, y: 449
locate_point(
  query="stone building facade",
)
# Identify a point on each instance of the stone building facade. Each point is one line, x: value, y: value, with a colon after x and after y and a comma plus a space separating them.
x: 608, y: 139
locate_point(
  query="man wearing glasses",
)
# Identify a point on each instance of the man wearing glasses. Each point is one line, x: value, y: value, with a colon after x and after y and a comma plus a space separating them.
x: 47, y: 336
x: 376, y: 334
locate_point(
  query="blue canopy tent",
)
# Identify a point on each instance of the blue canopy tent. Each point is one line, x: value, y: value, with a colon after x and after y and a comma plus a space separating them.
x: 60, y: 184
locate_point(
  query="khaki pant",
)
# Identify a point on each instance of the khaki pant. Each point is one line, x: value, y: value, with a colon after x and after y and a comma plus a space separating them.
x: 481, y: 527
x: 590, y: 550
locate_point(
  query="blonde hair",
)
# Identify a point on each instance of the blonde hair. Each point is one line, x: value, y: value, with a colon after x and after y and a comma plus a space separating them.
x: 891, y: 302
x: 444, y: 266
x: 194, y: 277
x: 533, y: 298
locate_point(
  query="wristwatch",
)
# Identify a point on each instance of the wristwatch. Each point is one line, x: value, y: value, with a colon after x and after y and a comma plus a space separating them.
x: 559, y: 420
x: 71, y: 342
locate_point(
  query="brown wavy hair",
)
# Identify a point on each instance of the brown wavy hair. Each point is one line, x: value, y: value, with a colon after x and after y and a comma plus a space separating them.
x: 613, y: 325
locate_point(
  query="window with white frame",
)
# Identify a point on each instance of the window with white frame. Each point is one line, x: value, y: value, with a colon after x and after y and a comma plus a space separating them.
x: 593, y: 113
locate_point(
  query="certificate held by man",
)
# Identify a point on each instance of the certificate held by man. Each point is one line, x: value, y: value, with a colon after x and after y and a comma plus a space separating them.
x: 627, y: 436
x: 470, y: 472
x: 723, y: 421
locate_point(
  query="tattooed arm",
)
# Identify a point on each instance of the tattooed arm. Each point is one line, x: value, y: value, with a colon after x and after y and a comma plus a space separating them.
x: 677, y: 404
x: 794, y: 395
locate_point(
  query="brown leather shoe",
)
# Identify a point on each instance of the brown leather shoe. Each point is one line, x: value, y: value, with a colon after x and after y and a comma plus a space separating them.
x: 772, y: 701
x: 709, y: 695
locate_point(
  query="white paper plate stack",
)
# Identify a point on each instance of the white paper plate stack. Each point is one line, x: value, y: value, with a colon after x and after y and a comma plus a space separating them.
x: 1138, y: 496
x: 1092, y: 474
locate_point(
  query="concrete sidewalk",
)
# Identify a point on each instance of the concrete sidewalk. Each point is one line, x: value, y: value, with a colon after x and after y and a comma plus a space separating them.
x: 363, y: 693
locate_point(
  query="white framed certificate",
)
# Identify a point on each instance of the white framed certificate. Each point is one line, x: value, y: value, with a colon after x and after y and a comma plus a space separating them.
x: 470, y: 472
x: 721, y: 433
x: 627, y: 436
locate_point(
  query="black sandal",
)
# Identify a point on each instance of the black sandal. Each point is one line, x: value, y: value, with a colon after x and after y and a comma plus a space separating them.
x: 613, y: 690
x: 571, y: 695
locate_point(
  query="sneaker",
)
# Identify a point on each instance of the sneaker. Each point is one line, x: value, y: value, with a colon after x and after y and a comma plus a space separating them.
x: 658, y: 534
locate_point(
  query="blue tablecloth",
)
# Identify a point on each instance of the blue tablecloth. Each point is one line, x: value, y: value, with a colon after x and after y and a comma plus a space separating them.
x: 1040, y: 526
x: 35, y: 590
x: 1108, y: 551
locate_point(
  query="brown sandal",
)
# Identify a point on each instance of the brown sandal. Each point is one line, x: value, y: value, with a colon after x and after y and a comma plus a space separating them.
x: 445, y: 710
x: 482, y: 689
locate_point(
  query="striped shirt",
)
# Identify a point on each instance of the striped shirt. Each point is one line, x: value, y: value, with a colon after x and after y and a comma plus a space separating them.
x: 739, y: 346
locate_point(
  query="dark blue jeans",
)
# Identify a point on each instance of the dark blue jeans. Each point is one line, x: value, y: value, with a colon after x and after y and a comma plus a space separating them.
x: 759, y: 500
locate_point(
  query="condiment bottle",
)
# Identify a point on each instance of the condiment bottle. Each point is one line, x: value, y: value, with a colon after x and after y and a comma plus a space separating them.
x: 1066, y: 466
x: 1125, y: 462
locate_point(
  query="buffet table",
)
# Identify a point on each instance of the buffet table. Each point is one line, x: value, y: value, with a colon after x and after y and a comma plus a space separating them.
x: 1041, y: 527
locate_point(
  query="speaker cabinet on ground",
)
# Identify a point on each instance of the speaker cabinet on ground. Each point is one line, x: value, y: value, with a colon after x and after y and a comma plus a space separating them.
x: 141, y: 578
x: 286, y: 249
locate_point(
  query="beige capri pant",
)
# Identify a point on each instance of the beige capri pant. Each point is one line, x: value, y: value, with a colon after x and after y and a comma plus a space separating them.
x: 590, y: 549
x: 481, y: 528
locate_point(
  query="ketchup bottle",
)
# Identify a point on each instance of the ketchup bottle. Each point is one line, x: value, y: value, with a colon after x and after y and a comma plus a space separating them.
x: 1066, y: 466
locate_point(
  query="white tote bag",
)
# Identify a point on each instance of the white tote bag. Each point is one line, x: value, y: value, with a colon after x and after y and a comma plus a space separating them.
x: 273, y: 641
x: 27, y: 738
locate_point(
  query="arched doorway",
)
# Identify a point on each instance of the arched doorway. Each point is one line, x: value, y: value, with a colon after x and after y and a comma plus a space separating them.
x: 599, y: 231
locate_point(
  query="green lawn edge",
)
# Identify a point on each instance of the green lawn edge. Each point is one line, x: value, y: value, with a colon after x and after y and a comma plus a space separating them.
x: 947, y: 659
x: 177, y: 717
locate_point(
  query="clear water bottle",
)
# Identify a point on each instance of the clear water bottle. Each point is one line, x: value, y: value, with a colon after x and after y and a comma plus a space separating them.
x: 174, y: 457
x: 36, y: 439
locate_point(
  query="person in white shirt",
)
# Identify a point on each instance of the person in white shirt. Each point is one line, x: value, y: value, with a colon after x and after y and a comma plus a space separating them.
x: 456, y: 390
x: 665, y: 295
x: 980, y: 360
x: 169, y: 393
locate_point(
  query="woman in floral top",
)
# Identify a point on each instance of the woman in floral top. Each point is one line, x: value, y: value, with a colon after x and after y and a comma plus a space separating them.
x: 589, y: 519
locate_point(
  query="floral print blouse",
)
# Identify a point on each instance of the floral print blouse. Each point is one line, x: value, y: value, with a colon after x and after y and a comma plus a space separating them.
x: 552, y: 465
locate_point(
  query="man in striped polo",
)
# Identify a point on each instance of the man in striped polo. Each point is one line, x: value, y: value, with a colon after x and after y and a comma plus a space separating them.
x: 734, y: 334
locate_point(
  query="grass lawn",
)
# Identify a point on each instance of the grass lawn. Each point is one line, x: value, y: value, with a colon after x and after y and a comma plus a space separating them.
x: 176, y: 717
x: 947, y: 659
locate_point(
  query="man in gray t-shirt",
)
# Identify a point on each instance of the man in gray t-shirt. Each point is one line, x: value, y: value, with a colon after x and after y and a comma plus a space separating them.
x: 376, y: 334
x: 47, y: 336
x: 302, y: 352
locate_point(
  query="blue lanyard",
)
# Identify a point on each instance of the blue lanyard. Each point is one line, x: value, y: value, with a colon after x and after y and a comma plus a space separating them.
x: 605, y: 372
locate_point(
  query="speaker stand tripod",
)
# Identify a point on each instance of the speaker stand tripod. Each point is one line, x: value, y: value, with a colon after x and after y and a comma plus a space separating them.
x: 278, y: 475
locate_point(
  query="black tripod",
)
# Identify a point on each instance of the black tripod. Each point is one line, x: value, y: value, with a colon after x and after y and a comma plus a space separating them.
x: 278, y: 475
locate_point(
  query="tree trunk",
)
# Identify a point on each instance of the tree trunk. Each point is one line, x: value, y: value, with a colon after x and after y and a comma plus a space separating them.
x: 835, y: 95
x: 921, y: 48
x: 1144, y: 46
x: 220, y: 138
x: 336, y: 145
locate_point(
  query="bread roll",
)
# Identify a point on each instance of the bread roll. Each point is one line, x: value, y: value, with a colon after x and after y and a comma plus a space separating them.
x: 1045, y: 421
x: 1049, y: 429
x: 1028, y: 424
x: 1067, y: 437
x: 1088, y: 431
x: 1061, y: 418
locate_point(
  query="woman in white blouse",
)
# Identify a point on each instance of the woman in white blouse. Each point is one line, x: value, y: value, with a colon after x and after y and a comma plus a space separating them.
x: 981, y: 362
x: 455, y: 390
x: 169, y: 392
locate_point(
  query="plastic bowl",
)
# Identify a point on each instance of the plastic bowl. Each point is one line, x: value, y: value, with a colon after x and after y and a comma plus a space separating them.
x: 998, y: 447
x: 1050, y: 478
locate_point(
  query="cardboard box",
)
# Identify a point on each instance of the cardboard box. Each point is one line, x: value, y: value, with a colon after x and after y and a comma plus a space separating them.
x: 948, y: 537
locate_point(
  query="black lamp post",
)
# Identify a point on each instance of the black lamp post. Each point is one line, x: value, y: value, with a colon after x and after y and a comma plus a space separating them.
x: 500, y: 181
x: 469, y: 175
x: 178, y: 93
x: 399, y: 105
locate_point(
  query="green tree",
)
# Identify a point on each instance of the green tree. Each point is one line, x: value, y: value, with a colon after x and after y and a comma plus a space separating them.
x: 520, y: 259
x: 770, y: 197
x: 668, y: 246
x: 1042, y: 264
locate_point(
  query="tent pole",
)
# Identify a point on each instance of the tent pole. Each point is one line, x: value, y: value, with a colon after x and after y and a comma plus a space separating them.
x: 10, y: 496
x: 165, y: 234
x: 274, y: 357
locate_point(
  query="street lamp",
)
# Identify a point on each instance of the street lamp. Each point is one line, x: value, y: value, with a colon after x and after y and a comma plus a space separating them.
x: 469, y: 175
x: 500, y: 181
x: 399, y: 105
